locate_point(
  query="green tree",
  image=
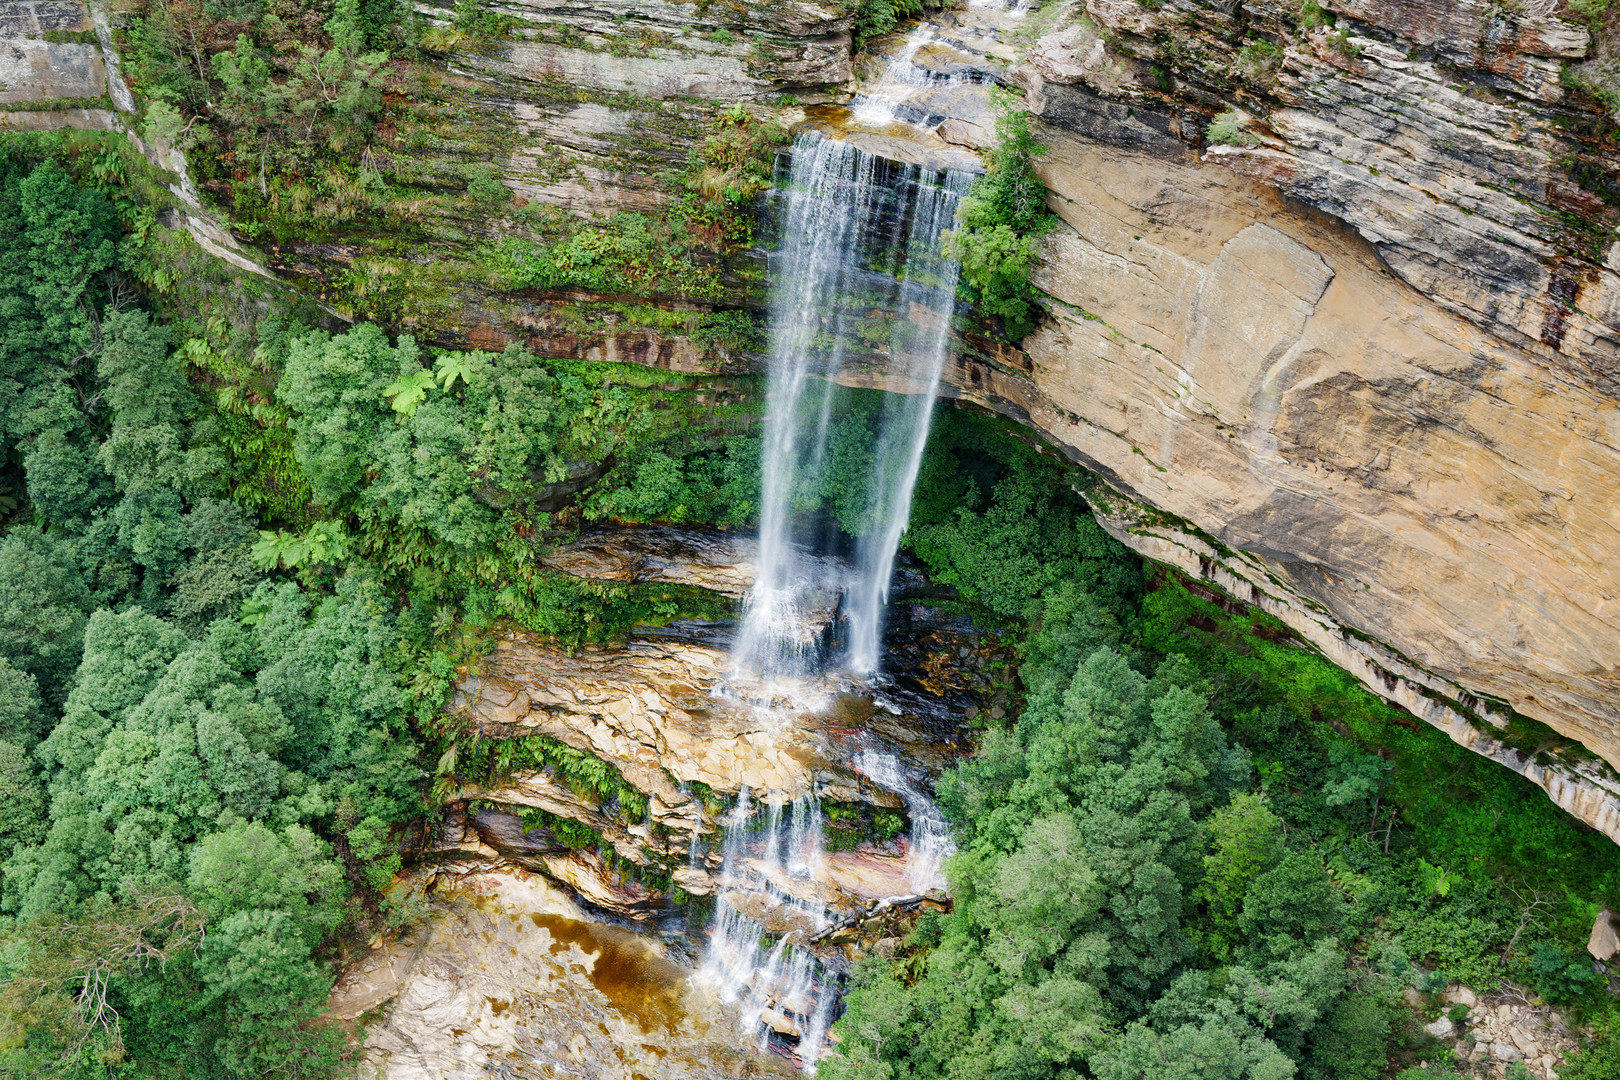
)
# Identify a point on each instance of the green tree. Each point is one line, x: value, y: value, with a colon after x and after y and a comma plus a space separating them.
x: 65, y: 480
x: 1354, y: 776
x: 245, y: 866
x: 1294, y: 900
x: 146, y: 449
x: 1026, y: 541
x: 43, y: 605
x: 23, y: 719
x: 220, y: 573
x: 1246, y: 841
x: 57, y: 240
x: 334, y: 387
x: 257, y: 975
x: 1079, y: 839
x: 60, y: 1012
x: 1350, y: 1041
x: 23, y: 807
x: 125, y: 655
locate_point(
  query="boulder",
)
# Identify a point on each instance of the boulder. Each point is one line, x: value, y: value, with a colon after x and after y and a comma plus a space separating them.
x: 1604, y: 942
x: 1442, y: 1028
x: 693, y: 880
x: 1526, y: 1042
x: 779, y: 1022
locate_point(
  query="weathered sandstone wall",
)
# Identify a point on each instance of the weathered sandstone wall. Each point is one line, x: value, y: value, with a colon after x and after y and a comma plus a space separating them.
x: 1375, y: 348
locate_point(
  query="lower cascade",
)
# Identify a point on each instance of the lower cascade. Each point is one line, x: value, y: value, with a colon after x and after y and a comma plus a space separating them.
x: 857, y: 232
x: 779, y: 986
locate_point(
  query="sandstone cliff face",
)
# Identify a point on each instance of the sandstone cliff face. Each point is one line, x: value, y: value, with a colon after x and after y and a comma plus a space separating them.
x: 1254, y: 370
x: 1362, y: 355
x: 1405, y: 411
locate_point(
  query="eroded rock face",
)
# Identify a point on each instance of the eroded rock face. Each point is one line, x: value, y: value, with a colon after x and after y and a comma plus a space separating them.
x: 659, y: 709
x: 650, y: 708
x: 1442, y: 483
x: 1255, y: 372
x: 645, y: 707
x: 722, y: 562
x: 667, y: 50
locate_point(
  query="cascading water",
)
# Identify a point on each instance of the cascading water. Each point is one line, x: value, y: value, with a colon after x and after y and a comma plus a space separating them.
x: 779, y: 987
x: 901, y: 76
x: 857, y: 233
x: 844, y: 212
x: 930, y: 840
x: 905, y: 91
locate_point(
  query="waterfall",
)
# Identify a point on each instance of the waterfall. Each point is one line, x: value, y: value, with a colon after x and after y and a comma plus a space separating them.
x: 772, y: 978
x: 930, y: 840
x: 890, y: 99
x: 857, y: 233
x: 844, y: 211
x: 900, y: 77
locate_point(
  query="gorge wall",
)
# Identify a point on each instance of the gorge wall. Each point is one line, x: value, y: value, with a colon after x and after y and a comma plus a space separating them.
x: 1356, y: 364
x: 1370, y: 344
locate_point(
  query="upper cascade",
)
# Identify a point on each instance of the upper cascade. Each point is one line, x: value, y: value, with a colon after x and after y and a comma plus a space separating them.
x: 856, y: 232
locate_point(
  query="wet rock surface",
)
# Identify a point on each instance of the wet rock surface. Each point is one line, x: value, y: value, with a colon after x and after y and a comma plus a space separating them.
x: 722, y: 562
x: 789, y: 829
x: 511, y: 978
x: 661, y: 709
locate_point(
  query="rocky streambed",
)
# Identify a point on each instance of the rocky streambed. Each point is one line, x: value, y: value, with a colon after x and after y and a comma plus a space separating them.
x: 574, y: 931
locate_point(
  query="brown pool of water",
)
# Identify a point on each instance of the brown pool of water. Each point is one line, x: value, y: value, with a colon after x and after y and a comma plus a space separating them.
x: 636, y: 980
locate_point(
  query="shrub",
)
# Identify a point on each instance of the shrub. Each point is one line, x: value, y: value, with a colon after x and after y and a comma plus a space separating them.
x: 1600, y: 1061
x: 484, y: 184
x: 1593, y: 11
x: 629, y: 252
x: 874, y: 18
x: 1595, y: 79
x: 1560, y: 977
x: 734, y: 163
x: 481, y: 28
x: 1228, y: 129
x: 1312, y: 15
x: 1258, y: 61
x: 1001, y: 222
x: 1340, y: 43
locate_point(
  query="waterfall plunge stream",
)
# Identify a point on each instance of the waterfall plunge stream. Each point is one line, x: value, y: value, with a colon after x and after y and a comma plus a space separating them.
x: 857, y: 233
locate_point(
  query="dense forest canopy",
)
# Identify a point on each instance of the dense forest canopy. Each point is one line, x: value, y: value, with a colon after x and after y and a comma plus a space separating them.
x: 244, y: 548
